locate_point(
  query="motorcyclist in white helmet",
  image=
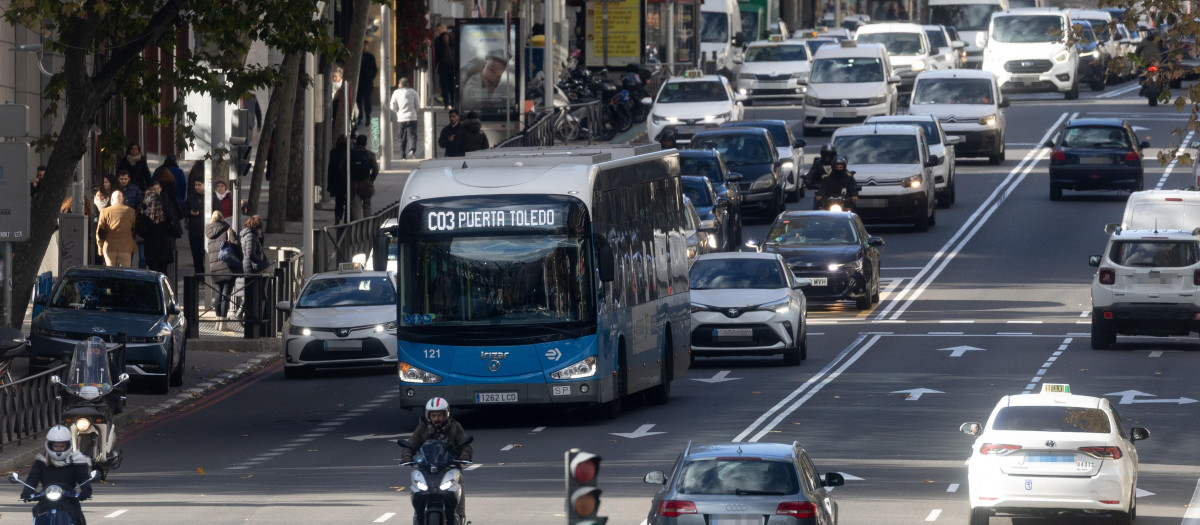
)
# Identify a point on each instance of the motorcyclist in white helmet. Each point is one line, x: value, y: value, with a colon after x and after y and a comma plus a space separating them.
x: 436, y: 423
x: 63, y: 466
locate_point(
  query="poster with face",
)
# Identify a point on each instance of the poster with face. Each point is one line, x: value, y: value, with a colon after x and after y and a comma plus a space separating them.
x: 487, y: 67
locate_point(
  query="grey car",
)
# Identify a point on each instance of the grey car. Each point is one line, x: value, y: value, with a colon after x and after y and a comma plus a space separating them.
x: 772, y: 483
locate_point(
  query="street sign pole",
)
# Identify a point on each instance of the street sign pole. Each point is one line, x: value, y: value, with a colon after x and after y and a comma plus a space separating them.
x: 14, y: 192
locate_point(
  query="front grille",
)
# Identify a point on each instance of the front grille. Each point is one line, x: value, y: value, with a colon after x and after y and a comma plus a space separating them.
x: 1028, y: 66
x: 842, y: 120
x: 371, y: 349
x: 705, y: 335
x: 80, y: 336
x: 851, y: 102
x: 1033, y: 86
x: 744, y: 186
x: 775, y: 92
x: 774, y: 78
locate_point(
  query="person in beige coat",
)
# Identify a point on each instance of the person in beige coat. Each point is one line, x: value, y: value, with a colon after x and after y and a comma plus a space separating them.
x: 114, y: 232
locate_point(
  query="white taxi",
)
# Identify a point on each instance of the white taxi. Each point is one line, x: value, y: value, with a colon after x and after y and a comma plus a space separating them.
x: 775, y: 69
x: 692, y: 103
x: 342, y: 319
x: 1053, y: 453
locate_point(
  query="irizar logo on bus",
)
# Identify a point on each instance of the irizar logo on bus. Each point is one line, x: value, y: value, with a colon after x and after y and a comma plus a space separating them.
x: 492, y: 356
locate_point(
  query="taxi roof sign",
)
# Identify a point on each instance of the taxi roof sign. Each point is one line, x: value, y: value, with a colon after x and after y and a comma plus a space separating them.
x: 1056, y: 388
x: 350, y: 267
x: 849, y: 43
x: 775, y: 38
x: 693, y: 73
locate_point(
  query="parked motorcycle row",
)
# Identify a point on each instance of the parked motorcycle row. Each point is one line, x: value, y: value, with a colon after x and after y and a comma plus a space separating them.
x: 619, y: 96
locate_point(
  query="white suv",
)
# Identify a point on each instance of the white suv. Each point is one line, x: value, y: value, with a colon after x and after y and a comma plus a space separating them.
x: 1028, y: 52
x: 1146, y: 285
x: 892, y: 165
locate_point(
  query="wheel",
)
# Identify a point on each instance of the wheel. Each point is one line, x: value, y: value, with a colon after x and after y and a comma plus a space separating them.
x: 1055, y: 192
x: 980, y: 517
x: 1122, y: 518
x: 933, y: 216
x: 792, y: 356
x: 804, y: 348
x: 1152, y: 100
x: 953, y: 190
x: 1073, y: 94
x: 661, y: 393
x: 621, y: 119
x: 864, y: 302
x: 875, y: 292
x: 1176, y: 83
x: 997, y: 158
x: 922, y: 223
x: 163, y: 385
x: 177, y: 375
x: 1102, y: 337
x: 612, y: 409
x: 434, y: 517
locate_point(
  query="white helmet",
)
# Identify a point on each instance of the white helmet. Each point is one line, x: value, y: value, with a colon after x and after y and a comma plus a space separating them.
x: 437, y: 404
x: 58, y: 434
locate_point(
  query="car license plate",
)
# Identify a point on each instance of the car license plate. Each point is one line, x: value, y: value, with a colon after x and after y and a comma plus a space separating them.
x: 343, y: 345
x: 1024, y: 79
x: 735, y: 519
x: 819, y: 281
x: 496, y: 397
x: 734, y: 334
x: 688, y: 130
x: 843, y: 113
x: 1103, y: 161
x: 561, y: 390
x: 871, y: 203
x: 1051, y: 458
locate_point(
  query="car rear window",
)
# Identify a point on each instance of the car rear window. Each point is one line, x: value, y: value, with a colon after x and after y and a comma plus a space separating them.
x: 1096, y: 137
x: 738, y: 149
x: 706, y: 167
x: 1052, y: 419
x: 697, y: 192
x: 1160, y: 254
x: 738, y: 477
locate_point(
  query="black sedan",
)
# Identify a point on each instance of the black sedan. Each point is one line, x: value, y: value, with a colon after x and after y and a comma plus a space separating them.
x: 713, y: 210
x: 751, y: 152
x: 99, y: 301
x: 710, y: 164
x: 1096, y: 154
x: 831, y: 249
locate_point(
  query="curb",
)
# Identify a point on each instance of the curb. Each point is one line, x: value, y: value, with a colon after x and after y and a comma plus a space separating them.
x: 272, y: 346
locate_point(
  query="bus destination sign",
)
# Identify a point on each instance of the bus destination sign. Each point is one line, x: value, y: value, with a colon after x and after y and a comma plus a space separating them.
x: 516, y: 218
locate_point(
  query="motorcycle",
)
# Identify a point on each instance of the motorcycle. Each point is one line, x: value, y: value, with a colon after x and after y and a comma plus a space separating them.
x: 57, y: 513
x: 90, y: 399
x: 437, y: 482
x: 12, y: 345
x: 1152, y: 85
x: 839, y: 202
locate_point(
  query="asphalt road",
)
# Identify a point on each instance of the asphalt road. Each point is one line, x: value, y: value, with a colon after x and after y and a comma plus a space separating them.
x: 993, y: 300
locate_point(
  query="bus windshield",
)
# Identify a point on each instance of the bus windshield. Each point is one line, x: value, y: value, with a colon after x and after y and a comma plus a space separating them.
x: 494, y: 280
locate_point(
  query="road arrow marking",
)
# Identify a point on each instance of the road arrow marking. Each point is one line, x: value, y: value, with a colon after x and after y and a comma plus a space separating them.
x: 958, y: 351
x: 1143, y: 493
x: 642, y: 431
x: 553, y: 354
x: 720, y: 377
x: 1128, y: 398
x: 365, y: 437
x: 916, y: 393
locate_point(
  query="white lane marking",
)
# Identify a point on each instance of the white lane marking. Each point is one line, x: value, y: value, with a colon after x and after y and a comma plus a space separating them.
x: 473, y: 466
x: 1192, y: 516
x: 1084, y: 313
x: 1119, y: 92
x: 1156, y: 353
x: 958, y: 321
x: 945, y: 333
x: 1167, y: 172
x: 386, y: 516
x: 1014, y: 333
x: 970, y: 227
x: 933, y: 515
x: 1037, y: 378
x: 1144, y: 493
x: 507, y: 447
x: 1024, y: 322
x: 900, y: 268
x: 117, y: 513
x: 952, y: 488
x: 539, y: 429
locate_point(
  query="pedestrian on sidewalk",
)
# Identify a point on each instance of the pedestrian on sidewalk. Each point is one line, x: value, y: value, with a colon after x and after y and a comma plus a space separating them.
x: 38, y: 175
x: 473, y: 138
x: 181, y: 179
x: 404, y: 106
x: 218, y: 231
x: 451, y: 137
x: 363, y: 171
x: 193, y: 210
x: 135, y: 163
x: 223, y: 198
x: 166, y: 183
x: 337, y: 178
x: 447, y: 72
x: 129, y: 190
x: 159, y: 228
x: 253, y: 262
x: 114, y: 232
x: 367, y: 72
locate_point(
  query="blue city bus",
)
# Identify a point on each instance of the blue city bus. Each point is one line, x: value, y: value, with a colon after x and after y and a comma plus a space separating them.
x: 542, y: 276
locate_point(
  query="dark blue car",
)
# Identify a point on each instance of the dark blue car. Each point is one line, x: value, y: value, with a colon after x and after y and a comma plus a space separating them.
x: 712, y: 209
x: 104, y: 302
x: 710, y: 164
x: 751, y: 152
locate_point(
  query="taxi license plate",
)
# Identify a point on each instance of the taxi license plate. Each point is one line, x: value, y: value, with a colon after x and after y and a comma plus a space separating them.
x: 871, y: 203
x: 734, y: 334
x: 343, y: 345
x: 496, y: 397
x: 734, y: 519
x: 819, y: 281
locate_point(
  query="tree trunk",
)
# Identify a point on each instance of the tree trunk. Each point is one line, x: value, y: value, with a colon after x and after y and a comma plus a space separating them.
x: 295, y: 184
x: 280, y: 160
x: 264, y: 148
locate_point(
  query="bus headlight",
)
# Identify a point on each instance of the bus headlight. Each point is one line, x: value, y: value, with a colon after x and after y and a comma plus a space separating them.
x: 578, y: 370
x: 412, y: 374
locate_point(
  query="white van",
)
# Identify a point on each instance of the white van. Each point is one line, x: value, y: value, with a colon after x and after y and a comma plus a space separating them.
x: 892, y: 165
x: 970, y: 18
x: 907, y: 46
x: 1027, y: 50
x: 721, y: 36
x: 969, y: 104
x: 1162, y: 210
x: 848, y: 83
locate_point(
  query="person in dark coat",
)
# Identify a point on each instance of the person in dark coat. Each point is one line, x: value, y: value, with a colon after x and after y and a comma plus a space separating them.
x: 218, y: 231
x: 63, y: 466
x: 135, y: 163
x: 193, y: 213
x: 166, y: 182
x: 447, y: 67
x: 473, y: 138
x: 253, y: 261
x: 181, y: 185
x: 367, y: 72
x: 337, y: 178
x: 154, y: 224
x: 450, y: 138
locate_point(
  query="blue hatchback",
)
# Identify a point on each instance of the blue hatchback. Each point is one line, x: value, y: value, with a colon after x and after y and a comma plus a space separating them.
x: 104, y: 302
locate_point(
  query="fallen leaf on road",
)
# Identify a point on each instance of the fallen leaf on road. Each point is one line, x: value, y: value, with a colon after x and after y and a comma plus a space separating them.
x: 755, y: 392
x: 927, y: 480
x: 200, y: 470
x: 1083, y: 370
x: 1158, y: 373
x: 248, y: 476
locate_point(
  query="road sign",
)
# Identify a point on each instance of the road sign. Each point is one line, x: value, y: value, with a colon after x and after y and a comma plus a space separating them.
x: 14, y: 191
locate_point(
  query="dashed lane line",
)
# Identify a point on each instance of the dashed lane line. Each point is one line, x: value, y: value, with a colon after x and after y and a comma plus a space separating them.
x: 117, y: 513
x: 320, y: 431
x: 1175, y: 161
x: 933, y: 515
x: 1192, y: 516
x: 1037, y: 378
x: 386, y: 516
x: 952, y: 488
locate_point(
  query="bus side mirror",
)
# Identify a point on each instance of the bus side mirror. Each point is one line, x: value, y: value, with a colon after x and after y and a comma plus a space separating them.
x: 604, y: 260
x: 379, y: 255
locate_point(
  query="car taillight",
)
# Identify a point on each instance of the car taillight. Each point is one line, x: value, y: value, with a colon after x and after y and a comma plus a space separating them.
x: 998, y: 449
x: 1132, y: 156
x: 795, y: 509
x: 1108, y: 276
x: 1152, y: 69
x: 1102, y: 452
x: 1196, y: 277
x: 1058, y: 155
x: 672, y: 508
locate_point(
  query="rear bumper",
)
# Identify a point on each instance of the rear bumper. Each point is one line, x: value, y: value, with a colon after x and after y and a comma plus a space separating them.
x: 898, y: 208
x: 1095, y: 178
x: 1149, y: 319
x: 1048, y: 495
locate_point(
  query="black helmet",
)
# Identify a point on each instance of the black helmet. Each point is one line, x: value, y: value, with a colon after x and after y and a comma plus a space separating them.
x: 667, y: 134
x: 828, y: 153
x: 839, y: 160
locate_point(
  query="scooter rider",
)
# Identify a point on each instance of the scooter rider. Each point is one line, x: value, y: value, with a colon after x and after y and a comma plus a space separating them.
x: 62, y: 466
x: 837, y: 180
x: 437, y: 424
x: 821, y: 166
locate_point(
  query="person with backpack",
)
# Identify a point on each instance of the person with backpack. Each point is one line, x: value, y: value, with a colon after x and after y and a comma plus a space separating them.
x: 363, y: 171
x: 224, y: 260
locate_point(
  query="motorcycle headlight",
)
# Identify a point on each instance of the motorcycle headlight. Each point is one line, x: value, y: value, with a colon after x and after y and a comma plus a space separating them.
x: 577, y: 370
x: 988, y: 120
x: 918, y: 65
x: 810, y: 100
x: 746, y: 76
x: 449, y: 482
x: 418, y: 480
x: 385, y: 327
x: 299, y: 330
x: 1062, y: 56
x: 411, y: 374
x: 82, y: 424
x: 911, y: 182
x: 780, y: 307
x: 54, y: 493
x: 874, y: 101
x: 762, y: 183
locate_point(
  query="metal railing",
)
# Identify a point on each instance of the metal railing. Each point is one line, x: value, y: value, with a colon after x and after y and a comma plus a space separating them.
x: 341, y: 242
x: 258, y: 291
x: 539, y: 133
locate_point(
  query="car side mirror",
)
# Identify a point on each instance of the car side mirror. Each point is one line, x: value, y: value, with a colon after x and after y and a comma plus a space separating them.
x: 833, y: 479
x: 800, y: 143
x: 1144, y: 144
x: 55, y: 380
x: 654, y: 478
x: 737, y: 39
x: 954, y: 140
x: 13, y: 477
x: 1138, y: 433
x: 970, y: 429
x: 604, y: 255
x: 122, y: 378
x: 173, y: 309
x: 1094, y: 260
x: 41, y: 299
x: 933, y: 51
x: 646, y: 101
x: 802, y: 282
x: 752, y: 244
x: 734, y: 177
x: 894, y: 79
x: 1112, y: 228
x: 284, y: 306
x: 958, y: 44
x: 875, y: 241
x: 932, y: 161
x: 740, y: 97
x: 1003, y: 103
x: 1048, y: 144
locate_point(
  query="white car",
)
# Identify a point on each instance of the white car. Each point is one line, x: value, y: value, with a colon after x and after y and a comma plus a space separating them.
x: 1028, y: 52
x: 970, y: 105
x: 848, y: 83
x: 907, y: 46
x: 774, y: 69
x: 748, y: 303
x: 342, y: 319
x: 949, y: 54
x: 892, y: 165
x: 1053, y: 453
x: 692, y: 103
x: 941, y: 147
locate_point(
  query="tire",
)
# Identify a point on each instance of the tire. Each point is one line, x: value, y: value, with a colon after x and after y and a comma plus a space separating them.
x: 953, y: 189
x: 933, y: 216
x: 434, y: 517
x: 612, y: 409
x: 922, y: 223
x: 177, y: 375
x: 875, y: 289
x: 1122, y: 518
x: 864, y: 302
x: 621, y: 119
x: 1153, y: 101
x: 1102, y: 337
x: 1073, y: 94
x: 86, y: 445
x: 661, y: 393
x: 804, y: 348
x: 980, y: 517
x: 997, y: 158
x: 163, y: 385
x: 792, y: 356
x: 1175, y: 84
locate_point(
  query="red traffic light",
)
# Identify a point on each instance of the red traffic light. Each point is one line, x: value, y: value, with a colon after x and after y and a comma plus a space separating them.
x: 584, y: 467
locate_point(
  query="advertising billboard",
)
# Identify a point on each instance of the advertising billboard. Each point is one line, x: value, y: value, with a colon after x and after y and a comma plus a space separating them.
x: 488, y: 66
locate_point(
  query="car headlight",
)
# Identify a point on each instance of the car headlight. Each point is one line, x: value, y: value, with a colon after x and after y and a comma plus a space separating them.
x: 449, y: 482
x: 411, y: 374
x: 911, y: 182
x: 876, y: 100
x: 855, y: 266
x: 746, y: 76
x: 810, y: 100
x: 780, y: 307
x: 762, y: 183
x: 988, y: 120
x: 712, y: 242
x: 385, y: 327
x: 658, y: 119
x: 577, y: 370
x: 299, y: 330
x: 697, y: 307
x: 722, y: 116
x: 918, y: 65
x: 788, y: 166
x: 82, y: 424
x: 1062, y: 56
x: 801, y: 76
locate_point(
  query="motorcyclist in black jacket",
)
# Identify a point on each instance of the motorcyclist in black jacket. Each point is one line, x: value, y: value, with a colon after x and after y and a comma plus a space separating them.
x: 821, y: 166
x: 837, y: 180
x: 63, y: 466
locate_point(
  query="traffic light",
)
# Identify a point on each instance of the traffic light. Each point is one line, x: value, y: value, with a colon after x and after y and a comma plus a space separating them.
x: 583, y: 497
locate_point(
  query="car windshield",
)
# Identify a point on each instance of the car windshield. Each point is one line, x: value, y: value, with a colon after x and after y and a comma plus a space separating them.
x: 798, y: 231
x: 1100, y: 26
x: 1096, y: 137
x: 1156, y: 254
x: 714, y: 27
x: 904, y: 44
x: 1027, y: 28
x: 707, y: 167
x: 814, y: 44
x: 738, y: 476
x: 1086, y: 36
x: 878, y: 149
x: 706, y: 91
x: 846, y: 70
x: 779, y: 132
x: 953, y: 91
x: 936, y: 38
x: 738, y: 149
x: 964, y: 17
x: 697, y: 191
x: 109, y: 294
x: 930, y: 127
x: 1052, y: 419
x: 779, y: 53
x: 733, y: 274
x: 347, y: 291
x: 750, y: 24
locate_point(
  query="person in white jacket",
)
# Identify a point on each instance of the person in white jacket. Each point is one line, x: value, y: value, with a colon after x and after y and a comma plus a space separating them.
x: 404, y: 105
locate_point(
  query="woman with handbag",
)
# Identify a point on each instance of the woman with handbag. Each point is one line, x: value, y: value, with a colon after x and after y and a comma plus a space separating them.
x: 159, y: 227
x: 254, y: 261
x: 221, y: 239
